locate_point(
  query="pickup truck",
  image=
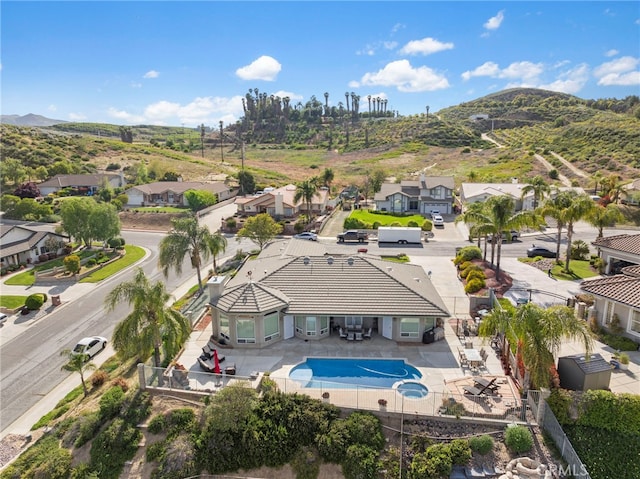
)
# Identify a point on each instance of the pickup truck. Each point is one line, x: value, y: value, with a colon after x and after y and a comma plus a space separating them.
x: 352, y: 235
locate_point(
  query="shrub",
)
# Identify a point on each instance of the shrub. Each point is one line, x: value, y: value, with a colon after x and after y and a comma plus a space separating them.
x: 91, y: 262
x: 306, y: 463
x: 472, y: 267
x: 88, y: 427
x: 518, y: 438
x: 481, y: 444
x: 179, y: 459
x: 579, y: 250
x: 474, y: 286
x: 34, y: 301
x: 413, y: 224
x: 98, y: 378
x: 476, y: 273
x: 112, y: 447
x: 427, y: 225
x: 157, y: 424
x: 468, y: 253
x: 183, y: 419
x: 122, y: 382
x: 459, y: 451
x: 111, y: 402
x: 360, y: 461
x: 155, y: 451
x: 231, y: 223
x: 560, y: 402
x: 434, y: 462
x: 72, y: 263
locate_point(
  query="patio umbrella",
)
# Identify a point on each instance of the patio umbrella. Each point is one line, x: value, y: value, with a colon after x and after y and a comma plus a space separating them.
x: 216, y: 362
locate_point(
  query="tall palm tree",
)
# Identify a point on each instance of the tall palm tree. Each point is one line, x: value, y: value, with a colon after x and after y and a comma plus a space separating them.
x: 346, y: 95
x: 581, y: 207
x: 217, y: 244
x: 597, y: 178
x: 150, y: 324
x: 326, y: 103
x: 305, y: 191
x: 77, y: 363
x: 369, y: 98
x: 467, y: 218
x: 186, y: 237
x: 539, y: 187
x: 604, y: 216
x: 496, y: 217
x: 327, y: 177
x: 554, y: 208
x: 541, y: 332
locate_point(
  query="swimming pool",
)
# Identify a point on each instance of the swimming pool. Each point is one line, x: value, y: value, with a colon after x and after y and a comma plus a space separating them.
x: 352, y: 372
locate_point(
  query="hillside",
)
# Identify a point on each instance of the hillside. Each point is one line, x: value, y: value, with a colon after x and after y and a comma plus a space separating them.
x: 291, y: 145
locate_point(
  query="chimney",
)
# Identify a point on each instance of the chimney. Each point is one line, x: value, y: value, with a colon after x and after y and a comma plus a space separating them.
x: 279, y: 204
x: 216, y: 287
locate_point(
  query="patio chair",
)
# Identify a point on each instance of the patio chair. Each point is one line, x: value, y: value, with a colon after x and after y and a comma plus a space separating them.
x: 489, y: 385
x: 480, y: 392
x: 358, y: 336
x: 367, y: 335
x: 463, y: 358
x: 351, y: 336
x: 342, y: 332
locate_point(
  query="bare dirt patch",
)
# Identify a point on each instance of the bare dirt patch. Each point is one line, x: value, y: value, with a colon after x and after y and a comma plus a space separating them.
x: 146, y: 221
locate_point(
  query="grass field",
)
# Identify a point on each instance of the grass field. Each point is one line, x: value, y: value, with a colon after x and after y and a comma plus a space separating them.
x: 370, y: 217
x: 580, y: 269
x: 11, y: 301
x: 133, y: 254
x: 27, y: 278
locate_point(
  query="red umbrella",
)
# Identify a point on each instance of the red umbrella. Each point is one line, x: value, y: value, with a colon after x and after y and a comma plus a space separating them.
x: 216, y: 362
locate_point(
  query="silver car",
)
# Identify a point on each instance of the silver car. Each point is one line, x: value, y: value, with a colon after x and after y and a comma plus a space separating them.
x: 90, y: 346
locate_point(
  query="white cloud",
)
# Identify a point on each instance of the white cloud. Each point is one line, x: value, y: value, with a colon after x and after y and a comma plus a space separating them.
x: 621, y: 71
x: 264, y: 68
x: 525, y: 71
x: 494, y: 22
x: 368, y: 50
x: 611, y: 53
x: 292, y: 96
x: 52, y: 108
x: 389, y: 45
x: 354, y: 84
x: 151, y: 74
x: 124, y: 116
x: 402, y: 75
x: 570, y: 81
x: 77, y: 117
x: 397, y: 27
x: 426, y: 46
x: 136, y: 84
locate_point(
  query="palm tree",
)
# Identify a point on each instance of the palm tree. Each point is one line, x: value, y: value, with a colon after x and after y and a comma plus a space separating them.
x: 186, y: 237
x: 540, y: 332
x: 604, y: 216
x: 496, y: 217
x: 581, y: 207
x: 369, y: 98
x: 468, y: 218
x: 77, y: 363
x: 597, y: 178
x: 150, y: 324
x: 539, y: 187
x: 217, y: 244
x: 326, y: 103
x: 327, y: 177
x: 553, y: 208
x: 306, y: 191
x: 346, y: 95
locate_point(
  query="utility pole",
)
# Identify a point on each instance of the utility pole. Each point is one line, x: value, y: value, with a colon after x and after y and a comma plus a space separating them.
x: 221, y: 150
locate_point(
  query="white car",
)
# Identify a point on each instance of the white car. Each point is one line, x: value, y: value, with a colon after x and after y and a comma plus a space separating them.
x: 3, y: 318
x: 307, y: 235
x: 435, y: 213
x: 437, y: 220
x: 90, y: 346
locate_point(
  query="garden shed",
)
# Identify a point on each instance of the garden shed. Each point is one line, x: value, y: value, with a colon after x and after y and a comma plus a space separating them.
x: 580, y: 373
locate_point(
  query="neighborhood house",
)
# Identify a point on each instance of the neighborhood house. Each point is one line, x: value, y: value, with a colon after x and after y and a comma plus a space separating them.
x: 281, y: 202
x: 311, y: 291
x: 20, y: 244
x: 417, y: 196
x: 86, y: 185
x: 171, y: 193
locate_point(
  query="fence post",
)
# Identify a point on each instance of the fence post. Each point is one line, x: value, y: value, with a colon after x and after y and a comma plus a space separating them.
x: 141, y: 378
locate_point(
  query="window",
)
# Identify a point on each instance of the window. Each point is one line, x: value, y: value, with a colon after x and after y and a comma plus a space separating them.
x: 634, y: 325
x: 324, y: 325
x: 246, y: 330
x: 311, y: 326
x: 608, y: 312
x: 413, y: 204
x: 271, y: 326
x: 224, y: 327
x: 300, y: 324
x: 409, y: 327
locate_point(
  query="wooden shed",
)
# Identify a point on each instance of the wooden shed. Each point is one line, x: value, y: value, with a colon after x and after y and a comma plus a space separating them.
x: 580, y: 373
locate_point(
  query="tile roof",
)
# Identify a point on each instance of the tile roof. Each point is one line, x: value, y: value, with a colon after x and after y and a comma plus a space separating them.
x: 622, y: 288
x: 433, y: 181
x: 288, y: 193
x: 625, y: 243
x: 24, y: 244
x: 180, y: 187
x: 250, y: 298
x: 62, y: 181
x: 344, y: 285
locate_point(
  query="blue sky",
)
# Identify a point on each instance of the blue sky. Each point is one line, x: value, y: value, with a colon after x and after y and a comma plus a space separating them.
x: 187, y: 63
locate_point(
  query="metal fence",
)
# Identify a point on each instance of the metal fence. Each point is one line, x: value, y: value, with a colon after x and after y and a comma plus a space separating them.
x: 390, y: 400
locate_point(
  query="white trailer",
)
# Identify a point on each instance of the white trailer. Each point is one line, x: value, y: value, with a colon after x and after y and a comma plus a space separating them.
x: 399, y: 234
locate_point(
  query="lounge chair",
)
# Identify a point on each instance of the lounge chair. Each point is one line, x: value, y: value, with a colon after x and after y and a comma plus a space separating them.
x: 480, y: 392
x: 367, y: 335
x: 489, y: 385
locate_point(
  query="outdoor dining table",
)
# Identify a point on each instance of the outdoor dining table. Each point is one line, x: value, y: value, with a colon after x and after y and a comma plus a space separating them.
x: 473, y: 356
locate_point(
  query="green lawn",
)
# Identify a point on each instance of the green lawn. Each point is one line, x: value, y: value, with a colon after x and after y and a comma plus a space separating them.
x: 160, y: 209
x: 134, y: 253
x: 27, y: 278
x: 367, y: 216
x: 581, y: 269
x: 12, y: 302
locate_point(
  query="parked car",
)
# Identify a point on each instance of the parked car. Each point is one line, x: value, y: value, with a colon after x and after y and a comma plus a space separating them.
x: 3, y: 318
x: 90, y: 346
x: 512, y: 235
x: 435, y: 213
x: 540, y: 251
x: 307, y: 235
x: 437, y: 220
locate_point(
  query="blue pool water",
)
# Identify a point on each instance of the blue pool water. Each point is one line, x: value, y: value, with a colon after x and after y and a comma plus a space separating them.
x: 353, y: 372
x: 413, y: 390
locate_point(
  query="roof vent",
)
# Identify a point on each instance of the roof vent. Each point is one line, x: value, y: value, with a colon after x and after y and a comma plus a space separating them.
x: 306, y: 260
x: 330, y: 260
x: 417, y: 279
x: 389, y: 269
x: 350, y: 261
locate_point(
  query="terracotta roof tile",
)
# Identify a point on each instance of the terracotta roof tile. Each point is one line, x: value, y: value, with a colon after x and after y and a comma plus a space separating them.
x: 622, y: 288
x: 625, y: 243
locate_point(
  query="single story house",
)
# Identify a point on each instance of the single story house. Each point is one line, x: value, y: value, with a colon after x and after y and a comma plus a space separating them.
x: 20, y: 244
x: 168, y: 193
x: 85, y: 184
x: 481, y: 192
x: 630, y: 193
x: 310, y: 291
x: 281, y: 202
x: 617, y: 296
x: 417, y: 196
x: 618, y: 251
